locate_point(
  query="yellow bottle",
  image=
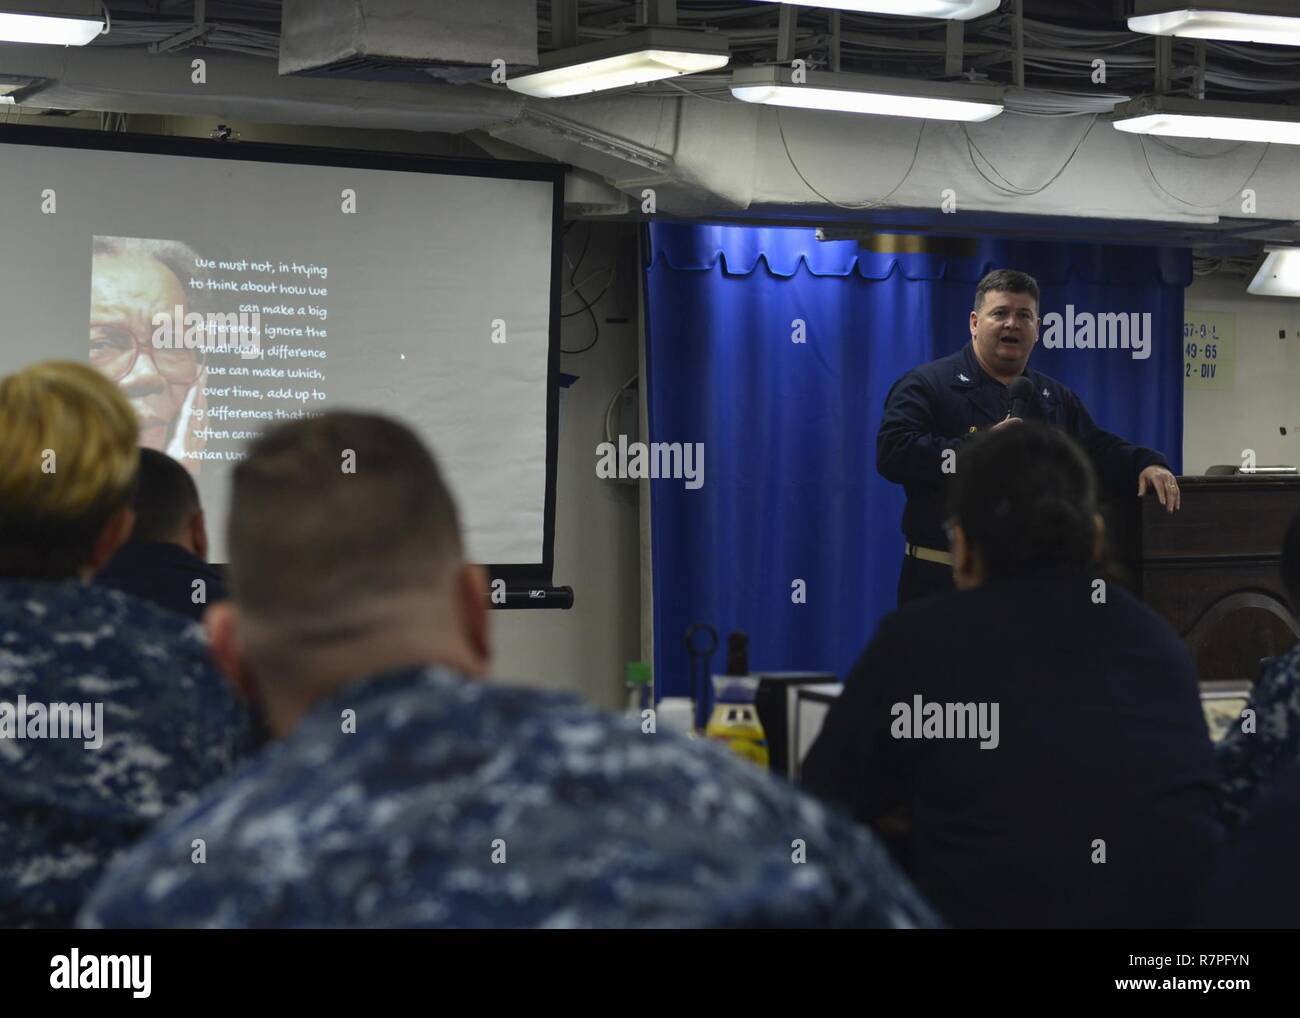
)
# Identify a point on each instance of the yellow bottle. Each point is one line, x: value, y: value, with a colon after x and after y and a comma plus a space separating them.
x: 735, y: 718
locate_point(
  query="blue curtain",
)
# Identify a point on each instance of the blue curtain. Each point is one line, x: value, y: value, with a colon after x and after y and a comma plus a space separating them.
x: 790, y: 485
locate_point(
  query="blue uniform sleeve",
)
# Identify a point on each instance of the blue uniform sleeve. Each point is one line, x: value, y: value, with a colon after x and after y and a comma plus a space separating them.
x: 1118, y: 461
x: 909, y: 449
x: 1247, y: 760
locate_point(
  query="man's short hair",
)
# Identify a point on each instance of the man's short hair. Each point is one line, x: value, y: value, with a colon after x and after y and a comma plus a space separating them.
x: 1006, y: 281
x: 1026, y: 498
x: 1291, y: 563
x: 328, y: 511
x: 68, y: 462
x: 165, y: 497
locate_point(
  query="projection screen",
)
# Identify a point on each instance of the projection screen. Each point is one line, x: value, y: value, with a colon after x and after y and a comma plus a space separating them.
x: 225, y: 286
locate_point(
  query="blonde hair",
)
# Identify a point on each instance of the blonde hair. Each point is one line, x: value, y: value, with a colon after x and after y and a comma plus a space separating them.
x: 68, y: 455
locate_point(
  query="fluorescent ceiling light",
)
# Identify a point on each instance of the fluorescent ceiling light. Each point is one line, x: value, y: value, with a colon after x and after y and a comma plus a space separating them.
x: 1279, y: 275
x: 52, y: 22
x: 867, y: 93
x: 954, y: 9
x: 633, y: 59
x: 957, y: 10
x: 1269, y: 21
x: 1177, y: 117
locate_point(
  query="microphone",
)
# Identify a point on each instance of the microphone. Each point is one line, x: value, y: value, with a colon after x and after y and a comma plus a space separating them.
x: 1022, y: 391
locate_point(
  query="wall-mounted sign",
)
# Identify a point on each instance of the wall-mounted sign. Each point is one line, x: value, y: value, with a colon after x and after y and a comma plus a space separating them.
x: 1209, y: 350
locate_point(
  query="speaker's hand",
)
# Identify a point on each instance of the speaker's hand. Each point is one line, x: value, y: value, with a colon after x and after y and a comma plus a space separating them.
x: 1163, y: 483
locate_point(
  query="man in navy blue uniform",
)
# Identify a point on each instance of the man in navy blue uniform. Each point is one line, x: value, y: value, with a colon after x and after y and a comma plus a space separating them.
x: 932, y: 410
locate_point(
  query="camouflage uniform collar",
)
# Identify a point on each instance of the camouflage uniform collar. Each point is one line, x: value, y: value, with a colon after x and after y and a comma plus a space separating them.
x: 50, y: 591
x: 382, y: 685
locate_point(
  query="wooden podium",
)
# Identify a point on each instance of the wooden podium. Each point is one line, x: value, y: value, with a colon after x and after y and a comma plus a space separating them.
x: 1211, y: 568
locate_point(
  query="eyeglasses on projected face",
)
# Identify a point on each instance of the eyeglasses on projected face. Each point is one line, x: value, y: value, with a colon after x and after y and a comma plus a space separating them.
x: 114, y: 351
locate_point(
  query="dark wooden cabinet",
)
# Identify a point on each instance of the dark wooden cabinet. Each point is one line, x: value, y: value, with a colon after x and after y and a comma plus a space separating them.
x: 1211, y: 569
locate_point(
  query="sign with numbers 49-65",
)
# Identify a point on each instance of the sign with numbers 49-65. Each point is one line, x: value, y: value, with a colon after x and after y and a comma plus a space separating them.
x: 1209, y: 350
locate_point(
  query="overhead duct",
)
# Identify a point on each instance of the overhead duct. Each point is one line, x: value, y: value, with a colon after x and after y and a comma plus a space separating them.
x: 585, y: 194
x: 353, y: 37
x: 132, y: 81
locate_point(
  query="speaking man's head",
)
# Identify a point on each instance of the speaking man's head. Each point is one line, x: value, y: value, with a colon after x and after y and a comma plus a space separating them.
x: 345, y: 562
x: 1004, y: 322
x: 132, y: 280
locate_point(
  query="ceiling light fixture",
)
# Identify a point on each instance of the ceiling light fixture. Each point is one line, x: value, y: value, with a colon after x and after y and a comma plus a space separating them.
x: 1180, y: 117
x: 52, y: 22
x: 1279, y: 275
x: 1268, y: 21
x: 632, y: 59
x: 866, y: 93
x: 955, y: 10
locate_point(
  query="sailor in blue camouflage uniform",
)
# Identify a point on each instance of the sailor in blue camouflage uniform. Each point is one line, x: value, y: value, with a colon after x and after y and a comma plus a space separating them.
x: 169, y: 727
x: 457, y: 803
x: 1266, y: 742
x: 1247, y: 761
x: 165, y: 723
x: 403, y: 791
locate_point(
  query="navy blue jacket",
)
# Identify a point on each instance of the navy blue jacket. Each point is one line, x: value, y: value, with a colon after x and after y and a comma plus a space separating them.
x: 164, y: 574
x: 1100, y: 739
x: 942, y: 404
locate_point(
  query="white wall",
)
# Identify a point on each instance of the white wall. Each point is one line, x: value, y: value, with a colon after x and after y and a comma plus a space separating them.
x: 583, y: 650
x: 1219, y: 424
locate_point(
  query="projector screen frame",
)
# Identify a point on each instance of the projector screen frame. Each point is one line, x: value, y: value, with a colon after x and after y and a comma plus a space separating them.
x: 515, y: 574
